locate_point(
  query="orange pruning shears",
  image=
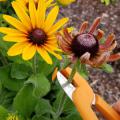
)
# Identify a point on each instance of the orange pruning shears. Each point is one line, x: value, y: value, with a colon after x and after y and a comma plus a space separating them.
x: 83, y: 97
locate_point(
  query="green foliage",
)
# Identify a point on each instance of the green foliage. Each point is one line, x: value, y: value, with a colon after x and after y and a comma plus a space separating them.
x: 47, y: 69
x: 69, y: 110
x: 43, y: 106
x: 107, y: 2
x: 3, y: 113
x: 107, y: 68
x: 25, y: 102
x: 41, y: 85
x: 41, y: 118
x: 20, y: 71
x: 7, y: 81
x: 6, y: 98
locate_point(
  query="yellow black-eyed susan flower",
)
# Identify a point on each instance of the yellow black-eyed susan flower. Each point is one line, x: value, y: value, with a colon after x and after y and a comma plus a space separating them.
x: 34, y: 31
x: 87, y: 46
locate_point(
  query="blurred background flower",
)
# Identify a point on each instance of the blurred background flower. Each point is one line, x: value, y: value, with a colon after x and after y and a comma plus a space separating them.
x: 25, y: 3
x: 2, y: 0
x: 65, y: 2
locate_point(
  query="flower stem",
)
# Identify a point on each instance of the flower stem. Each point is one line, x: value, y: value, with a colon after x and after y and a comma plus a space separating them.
x: 35, y: 65
x: 3, y: 59
x: 73, y: 71
x: 64, y: 96
x: 61, y: 105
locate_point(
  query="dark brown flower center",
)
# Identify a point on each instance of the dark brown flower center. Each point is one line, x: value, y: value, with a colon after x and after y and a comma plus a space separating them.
x: 85, y: 43
x: 38, y: 36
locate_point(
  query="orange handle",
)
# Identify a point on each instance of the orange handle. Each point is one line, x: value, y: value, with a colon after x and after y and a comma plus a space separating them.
x: 108, y: 112
x: 83, y: 96
x: 83, y: 104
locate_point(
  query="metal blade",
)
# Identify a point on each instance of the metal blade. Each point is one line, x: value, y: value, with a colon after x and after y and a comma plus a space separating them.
x: 67, y: 87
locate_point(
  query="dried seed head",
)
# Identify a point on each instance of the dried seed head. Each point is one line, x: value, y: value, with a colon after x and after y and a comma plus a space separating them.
x: 83, y: 43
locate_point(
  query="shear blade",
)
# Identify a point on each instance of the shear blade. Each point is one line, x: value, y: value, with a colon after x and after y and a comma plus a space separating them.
x: 67, y: 87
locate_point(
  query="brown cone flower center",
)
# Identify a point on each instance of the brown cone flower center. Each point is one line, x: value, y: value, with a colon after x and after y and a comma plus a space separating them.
x: 38, y: 36
x: 85, y: 43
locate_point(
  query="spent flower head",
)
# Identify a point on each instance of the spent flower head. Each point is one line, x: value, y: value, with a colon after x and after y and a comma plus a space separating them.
x: 34, y: 31
x: 87, y: 46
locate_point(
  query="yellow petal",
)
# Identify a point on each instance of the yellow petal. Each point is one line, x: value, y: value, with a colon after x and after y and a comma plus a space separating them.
x: 44, y: 55
x: 17, y: 35
x: 57, y: 26
x: 53, y: 53
x: 21, y: 13
x: 22, y: 4
x: 51, y: 18
x: 70, y: 29
x: 48, y: 3
x: 14, y: 38
x: 52, y: 42
x: 16, y: 23
x: 16, y: 49
x: 22, y: 1
x: 51, y: 37
x: 53, y: 47
x: 32, y: 11
x: 6, y: 30
x: 41, y: 13
x: 25, y: 1
x: 29, y: 51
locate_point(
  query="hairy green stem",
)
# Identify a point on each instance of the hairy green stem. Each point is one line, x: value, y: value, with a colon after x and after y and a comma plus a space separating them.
x: 3, y: 59
x: 64, y: 96
x: 73, y: 71
x: 35, y: 65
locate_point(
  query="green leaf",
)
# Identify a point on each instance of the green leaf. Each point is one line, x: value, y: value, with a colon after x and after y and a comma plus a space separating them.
x: 3, y: 113
x: 69, y: 110
x: 7, y: 81
x: 57, y: 100
x: 6, y: 98
x: 0, y: 86
x: 20, y: 71
x: 43, y: 106
x: 107, y: 68
x: 25, y: 102
x: 18, y: 59
x: 41, y: 85
x: 40, y: 118
x: 69, y: 106
x: 73, y: 116
x: 107, y: 2
x: 47, y: 69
